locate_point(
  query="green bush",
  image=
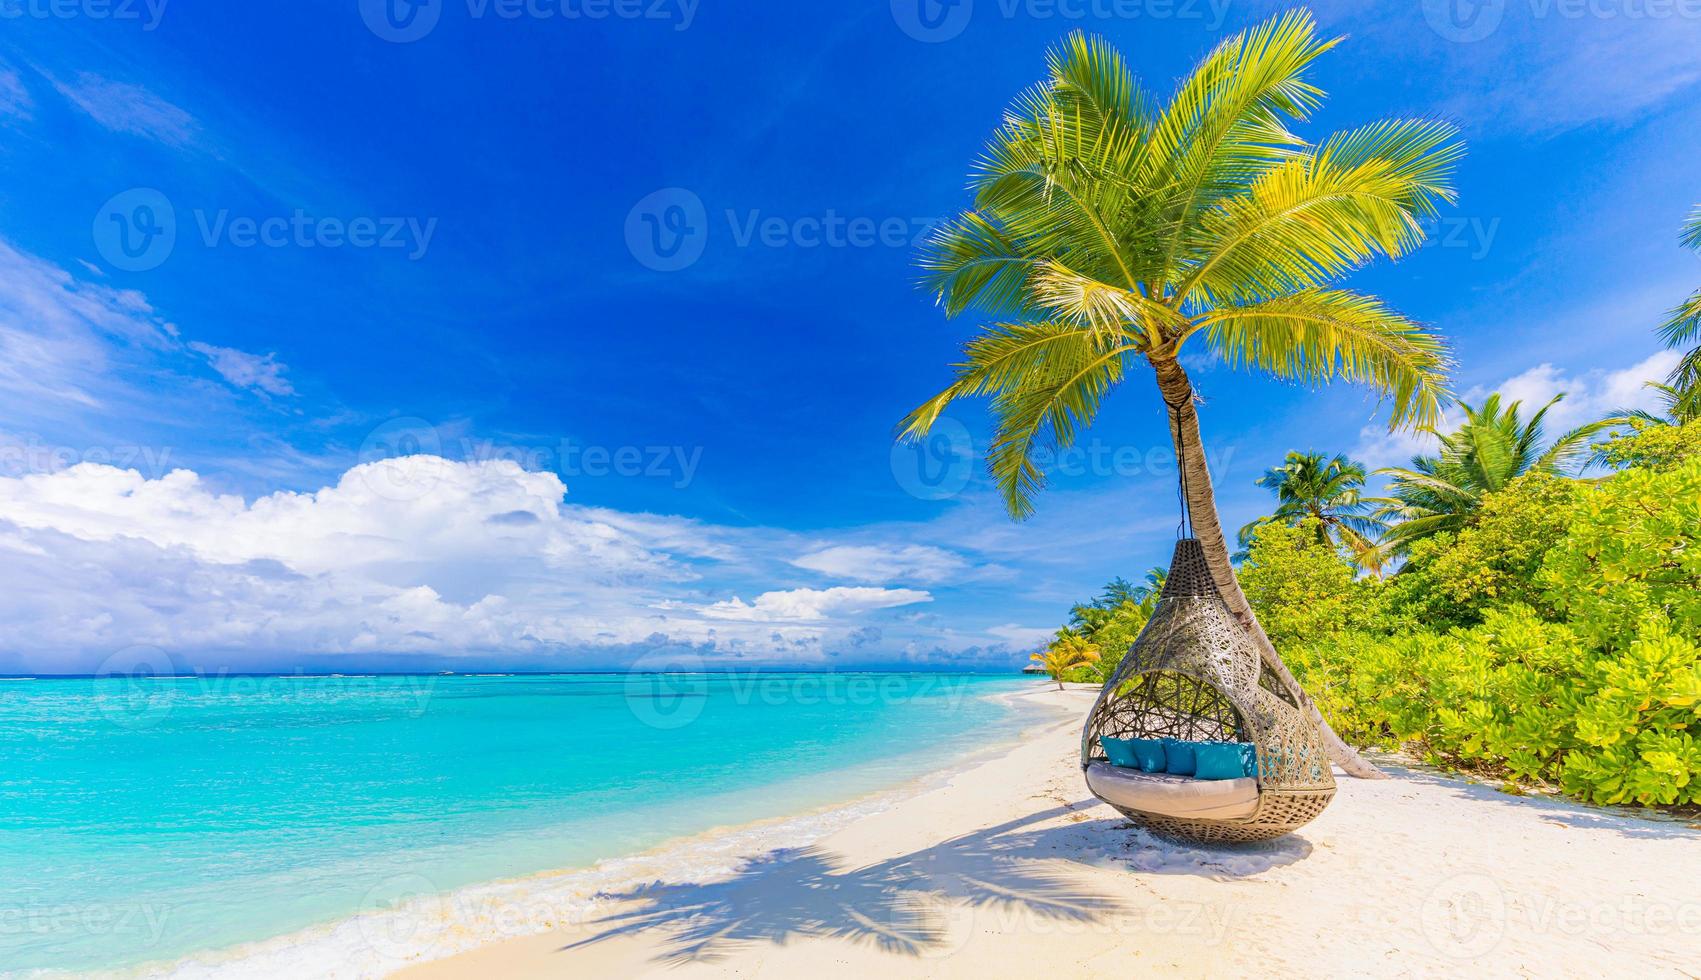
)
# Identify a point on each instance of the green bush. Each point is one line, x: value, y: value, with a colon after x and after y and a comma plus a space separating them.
x: 1554, y: 641
x: 1655, y: 447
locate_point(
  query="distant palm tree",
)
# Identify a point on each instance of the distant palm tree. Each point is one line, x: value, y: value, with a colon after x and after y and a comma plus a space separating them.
x: 1330, y: 491
x: 1146, y: 594
x: 1678, y: 407
x: 1068, y: 651
x: 1108, y: 230
x: 1490, y: 449
x: 1684, y: 327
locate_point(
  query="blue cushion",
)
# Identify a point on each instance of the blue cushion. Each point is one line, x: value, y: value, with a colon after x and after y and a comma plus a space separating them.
x: 1179, y: 756
x: 1224, y: 760
x: 1120, y: 752
x: 1150, y: 754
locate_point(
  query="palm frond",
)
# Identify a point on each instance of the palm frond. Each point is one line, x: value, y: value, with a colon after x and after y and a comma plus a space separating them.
x: 1322, y: 214
x: 1228, y: 121
x: 972, y: 262
x: 1316, y: 335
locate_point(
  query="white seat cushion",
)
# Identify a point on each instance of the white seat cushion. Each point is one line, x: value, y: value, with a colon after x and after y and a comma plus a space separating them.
x: 1173, y: 796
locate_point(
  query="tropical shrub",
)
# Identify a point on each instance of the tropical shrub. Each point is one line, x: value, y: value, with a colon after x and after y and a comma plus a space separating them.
x: 1654, y: 446
x: 1301, y: 587
x: 1573, y: 659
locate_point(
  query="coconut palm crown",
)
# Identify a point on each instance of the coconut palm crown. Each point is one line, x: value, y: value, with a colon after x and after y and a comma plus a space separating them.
x: 1109, y: 230
x: 1684, y: 326
x: 1307, y: 485
x: 1492, y: 447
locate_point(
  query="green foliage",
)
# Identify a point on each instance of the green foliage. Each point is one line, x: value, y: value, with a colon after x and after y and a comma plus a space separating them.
x: 1455, y: 579
x: 1110, y: 229
x: 1329, y: 492
x: 1654, y: 446
x: 1633, y: 554
x: 1554, y: 640
x: 1301, y: 587
x: 1493, y: 447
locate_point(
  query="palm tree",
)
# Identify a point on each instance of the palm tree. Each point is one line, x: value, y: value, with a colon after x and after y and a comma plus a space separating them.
x: 1685, y: 324
x: 1490, y: 449
x: 1108, y: 231
x: 1330, y: 490
x: 1678, y: 407
x: 1068, y: 651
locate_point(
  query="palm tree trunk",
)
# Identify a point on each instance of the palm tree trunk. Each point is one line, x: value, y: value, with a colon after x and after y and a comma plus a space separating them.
x: 1202, y: 503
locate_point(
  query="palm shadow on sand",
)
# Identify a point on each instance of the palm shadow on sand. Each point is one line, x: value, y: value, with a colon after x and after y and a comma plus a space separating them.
x: 908, y: 905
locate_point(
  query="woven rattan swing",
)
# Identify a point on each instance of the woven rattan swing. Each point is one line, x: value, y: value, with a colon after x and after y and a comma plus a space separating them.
x: 1195, y: 674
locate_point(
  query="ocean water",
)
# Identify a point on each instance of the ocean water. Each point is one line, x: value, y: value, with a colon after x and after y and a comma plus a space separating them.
x: 145, y: 820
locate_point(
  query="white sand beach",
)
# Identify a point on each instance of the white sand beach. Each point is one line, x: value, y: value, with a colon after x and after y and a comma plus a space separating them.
x: 1010, y: 868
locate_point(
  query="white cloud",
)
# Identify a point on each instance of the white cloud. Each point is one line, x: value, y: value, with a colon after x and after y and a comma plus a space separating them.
x: 1589, y: 395
x: 60, y: 336
x: 125, y: 108
x: 261, y: 372
x: 14, y: 97
x: 869, y: 563
x: 814, y: 605
x: 416, y: 555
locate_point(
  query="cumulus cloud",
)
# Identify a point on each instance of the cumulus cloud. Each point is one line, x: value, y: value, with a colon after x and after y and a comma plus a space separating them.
x: 814, y: 605
x: 415, y: 555
x: 869, y: 563
x: 1589, y: 395
x: 259, y: 372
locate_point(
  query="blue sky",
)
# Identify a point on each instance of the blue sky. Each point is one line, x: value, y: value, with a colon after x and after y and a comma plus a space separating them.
x: 252, y: 251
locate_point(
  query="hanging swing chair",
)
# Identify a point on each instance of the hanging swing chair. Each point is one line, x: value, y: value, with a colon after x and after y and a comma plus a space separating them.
x: 1194, y: 675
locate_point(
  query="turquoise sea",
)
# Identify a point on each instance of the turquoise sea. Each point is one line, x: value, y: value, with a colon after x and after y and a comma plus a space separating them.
x: 144, y: 820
